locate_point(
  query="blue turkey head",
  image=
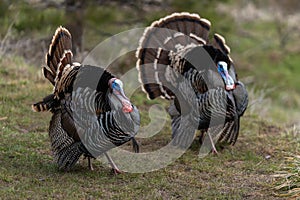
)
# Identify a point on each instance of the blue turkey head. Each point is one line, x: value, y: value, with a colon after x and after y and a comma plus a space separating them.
x: 117, y: 90
x: 223, y: 71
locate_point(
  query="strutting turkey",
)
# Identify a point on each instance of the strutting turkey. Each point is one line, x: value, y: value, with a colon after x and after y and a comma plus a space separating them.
x: 91, y: 113
x: 176, y: 50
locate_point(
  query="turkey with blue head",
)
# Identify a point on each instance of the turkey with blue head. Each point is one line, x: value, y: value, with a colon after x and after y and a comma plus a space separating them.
x: 90, y: 111
x: 178, y: 62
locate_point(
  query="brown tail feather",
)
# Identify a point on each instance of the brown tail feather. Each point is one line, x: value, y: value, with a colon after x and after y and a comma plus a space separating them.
x: 64, y: 61
x: 45, y: 105
x: 66, y: 73
x: 178, y: 28
x: 169, y: 34
x: 220, y: 43
x: 58, y: 58
x: 61, y: 42
x: 48, y: 75
x: 39, y: 107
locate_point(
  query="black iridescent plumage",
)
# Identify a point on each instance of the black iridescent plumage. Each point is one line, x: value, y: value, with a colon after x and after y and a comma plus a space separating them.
x: 83, y: 121
x: 176, y: 61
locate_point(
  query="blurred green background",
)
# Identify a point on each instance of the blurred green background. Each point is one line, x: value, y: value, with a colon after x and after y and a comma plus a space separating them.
x: 264, y: 37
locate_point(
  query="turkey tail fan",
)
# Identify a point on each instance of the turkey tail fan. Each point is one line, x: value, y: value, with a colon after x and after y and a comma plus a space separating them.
x: 61, y: 79
x: 169, y: 34
x: 45, y: 105
x: 176, y: 28
x: 61, y: 42
x: 65, y: 73
x: 220, y: 43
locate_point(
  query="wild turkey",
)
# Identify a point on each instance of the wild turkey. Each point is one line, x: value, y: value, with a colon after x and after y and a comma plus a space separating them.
x: 175, y: 53
x: 91, y: 113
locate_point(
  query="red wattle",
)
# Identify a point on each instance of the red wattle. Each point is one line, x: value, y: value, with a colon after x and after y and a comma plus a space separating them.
x: 127, y: 107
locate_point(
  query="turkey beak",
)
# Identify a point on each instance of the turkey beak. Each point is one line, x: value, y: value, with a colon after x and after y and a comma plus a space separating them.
x: 127, y: 106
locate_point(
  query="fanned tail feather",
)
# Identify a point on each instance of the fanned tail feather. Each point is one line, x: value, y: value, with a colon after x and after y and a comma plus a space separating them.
x: 61, y: 42
x: 220, y: 43
x: 59, y: 58
x: 169, y: 34
x: 58, y: 61
x: 65, y: 73
x: 45, y: 105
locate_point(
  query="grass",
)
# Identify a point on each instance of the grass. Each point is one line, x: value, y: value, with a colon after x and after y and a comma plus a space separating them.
x: 264, y: 163
x: 28, y: 172
x: 288, y: 181
x: 288, y: 185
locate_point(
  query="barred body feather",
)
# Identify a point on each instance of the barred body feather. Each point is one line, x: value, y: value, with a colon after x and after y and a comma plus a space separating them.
x: 176, y: 61
x: 83, y: 120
